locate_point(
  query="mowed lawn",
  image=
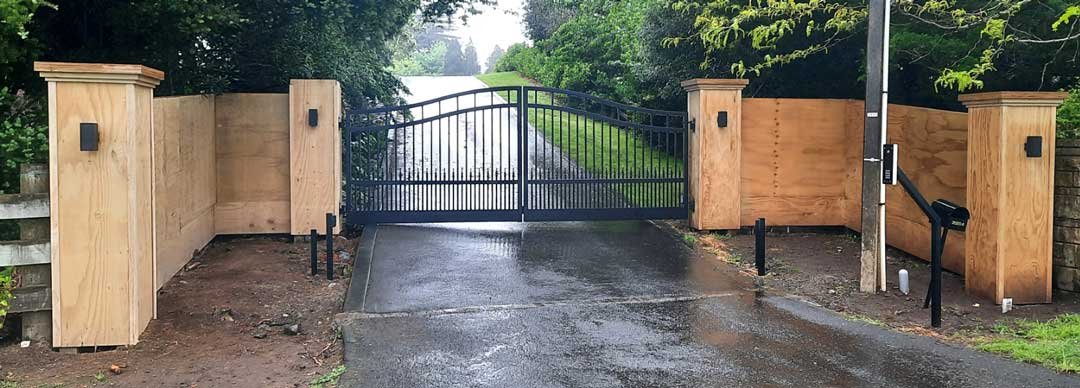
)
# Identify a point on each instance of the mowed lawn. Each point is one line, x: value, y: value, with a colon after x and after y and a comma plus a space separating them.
x: 606, y: 151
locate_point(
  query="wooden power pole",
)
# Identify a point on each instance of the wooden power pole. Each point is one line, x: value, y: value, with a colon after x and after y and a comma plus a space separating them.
x: 872, y: 270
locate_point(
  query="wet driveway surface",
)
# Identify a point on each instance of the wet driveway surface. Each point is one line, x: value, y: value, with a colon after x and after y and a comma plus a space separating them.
x: 458, y: 266
x: 613, y: 304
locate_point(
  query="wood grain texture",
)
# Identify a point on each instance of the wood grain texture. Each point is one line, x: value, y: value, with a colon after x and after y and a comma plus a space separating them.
x: 92, y: 263
x: 22, y: 206
x: 314, y: 154
x: 718, y: 155
x: 1027, y: 250
x: 98, y: 68
x: 801, y: 165
x: 790, y: 155
x: 933, y: 153
x: 982, y: 249
x: 17, y: 253
x: 252, y: 163
x: 1010, y: 253
x: 185, y: 180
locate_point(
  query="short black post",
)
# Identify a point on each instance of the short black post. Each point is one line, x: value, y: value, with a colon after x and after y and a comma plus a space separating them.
x: 935, y: 272
x: 330, y: 221
x: 759, y: 246
x: 314, y: 252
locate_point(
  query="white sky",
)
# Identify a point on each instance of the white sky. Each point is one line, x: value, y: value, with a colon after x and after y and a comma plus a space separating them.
x: 499, y: 24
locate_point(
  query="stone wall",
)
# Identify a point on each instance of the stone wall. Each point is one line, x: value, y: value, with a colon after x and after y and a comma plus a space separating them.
x: 1067, y: 216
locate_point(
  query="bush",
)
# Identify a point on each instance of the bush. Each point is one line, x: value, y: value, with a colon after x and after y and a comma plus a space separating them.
x: 24, y: 138
x: 1068, y: 120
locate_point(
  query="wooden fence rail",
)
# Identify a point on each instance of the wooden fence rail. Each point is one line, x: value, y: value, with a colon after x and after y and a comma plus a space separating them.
x: 31, y: 254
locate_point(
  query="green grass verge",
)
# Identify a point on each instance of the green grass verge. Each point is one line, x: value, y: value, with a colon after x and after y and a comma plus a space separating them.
x: 602, y: 149
x: 329, y: 379
x: 1054, y: 344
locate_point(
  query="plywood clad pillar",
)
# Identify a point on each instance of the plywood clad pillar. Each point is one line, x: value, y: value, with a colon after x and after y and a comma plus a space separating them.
x: 1008, y: 252
x: 715, y: 152
x: 314, y: 153
x: 101, y: 202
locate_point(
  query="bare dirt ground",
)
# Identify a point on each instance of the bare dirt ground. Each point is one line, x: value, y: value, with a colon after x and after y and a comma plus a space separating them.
x: 824, y: 268
x: 222, y: 322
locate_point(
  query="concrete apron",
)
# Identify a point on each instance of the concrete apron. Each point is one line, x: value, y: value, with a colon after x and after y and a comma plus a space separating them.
x: 607, y: 305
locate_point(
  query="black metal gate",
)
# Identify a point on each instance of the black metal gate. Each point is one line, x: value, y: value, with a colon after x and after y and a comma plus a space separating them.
x: 514, y: 154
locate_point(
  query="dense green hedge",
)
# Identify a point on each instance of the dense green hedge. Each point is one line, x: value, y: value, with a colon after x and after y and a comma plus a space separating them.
x: 1069, y: 116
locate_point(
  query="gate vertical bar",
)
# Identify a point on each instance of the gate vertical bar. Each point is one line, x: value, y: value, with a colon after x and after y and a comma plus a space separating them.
x: 523, y: 122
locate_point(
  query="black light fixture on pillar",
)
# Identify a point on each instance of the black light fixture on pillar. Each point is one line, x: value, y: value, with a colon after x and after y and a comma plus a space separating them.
x: 313, y: 118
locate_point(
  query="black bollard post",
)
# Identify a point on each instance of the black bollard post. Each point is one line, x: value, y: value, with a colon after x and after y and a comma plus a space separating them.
x: 759, y: 246
x: 314, y: 252
x: 935, y: 272
x: 330, y: 221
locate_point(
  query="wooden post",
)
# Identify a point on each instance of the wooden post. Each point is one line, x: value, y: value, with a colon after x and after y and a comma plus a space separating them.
x: 36, y: 325
x: 1010, y: 192
x: 715, y: 152
x: 100, y: 194
x: 870, y: 275
x: 314, y: 153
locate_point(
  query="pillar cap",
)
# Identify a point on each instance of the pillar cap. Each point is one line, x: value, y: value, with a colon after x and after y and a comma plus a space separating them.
x: 1052, y: 99
x: 99, y: 73
x: 714, y: 84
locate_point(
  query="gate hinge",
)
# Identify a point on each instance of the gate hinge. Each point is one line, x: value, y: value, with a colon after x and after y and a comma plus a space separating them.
x: 692, y: 124
x: 690, y: 205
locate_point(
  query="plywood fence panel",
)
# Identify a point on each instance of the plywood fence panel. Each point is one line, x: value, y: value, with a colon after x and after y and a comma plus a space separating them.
x: 185, y: 180
x: 252, y: 163
x: 793, y: 173
x: 933, y: 153
x: 802, y: 165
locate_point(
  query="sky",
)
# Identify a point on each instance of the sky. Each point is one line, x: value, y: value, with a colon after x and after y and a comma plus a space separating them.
x: 499, y: 24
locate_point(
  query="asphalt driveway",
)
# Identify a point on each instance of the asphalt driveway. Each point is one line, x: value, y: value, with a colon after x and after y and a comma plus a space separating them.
x: 612, y: 304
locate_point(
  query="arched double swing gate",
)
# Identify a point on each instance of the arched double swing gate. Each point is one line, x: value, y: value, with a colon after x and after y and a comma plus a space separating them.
x: 514, y: 154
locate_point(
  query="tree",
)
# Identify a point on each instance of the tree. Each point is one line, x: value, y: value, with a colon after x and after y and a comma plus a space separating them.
x: 210, y: 46
x: 472, y: 60
x: 493, y: 59
x: 962, y: 43
x: 15, y: 41
x: 454, y: 60
x: 543, y: 17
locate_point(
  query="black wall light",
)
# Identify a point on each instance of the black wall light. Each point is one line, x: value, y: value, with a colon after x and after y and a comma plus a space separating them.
x: 721, y: 119
x: 313, y: 118
x: 1033, y: 146
x: 88, y: 137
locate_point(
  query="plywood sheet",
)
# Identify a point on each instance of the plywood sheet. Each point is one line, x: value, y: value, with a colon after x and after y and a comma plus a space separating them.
x: 933, y: 153
x: 92, y: 224
x: 185, y: 180
x: 717, y: 194
x: 315, y: 154
x: 802, y: 165
x: 1026, y: 254
x: 793, y: 156
x: 252, y: 163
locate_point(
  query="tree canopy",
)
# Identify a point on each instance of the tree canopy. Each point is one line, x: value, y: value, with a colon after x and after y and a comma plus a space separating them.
x: 963, y: 42
x: 210, y: 46
x: 638, y: 50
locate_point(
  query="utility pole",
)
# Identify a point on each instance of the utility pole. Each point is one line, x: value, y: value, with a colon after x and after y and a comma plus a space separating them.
x: 872, y: 273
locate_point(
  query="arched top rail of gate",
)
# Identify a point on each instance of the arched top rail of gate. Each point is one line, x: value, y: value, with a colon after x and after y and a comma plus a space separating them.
x: 535, y: 97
